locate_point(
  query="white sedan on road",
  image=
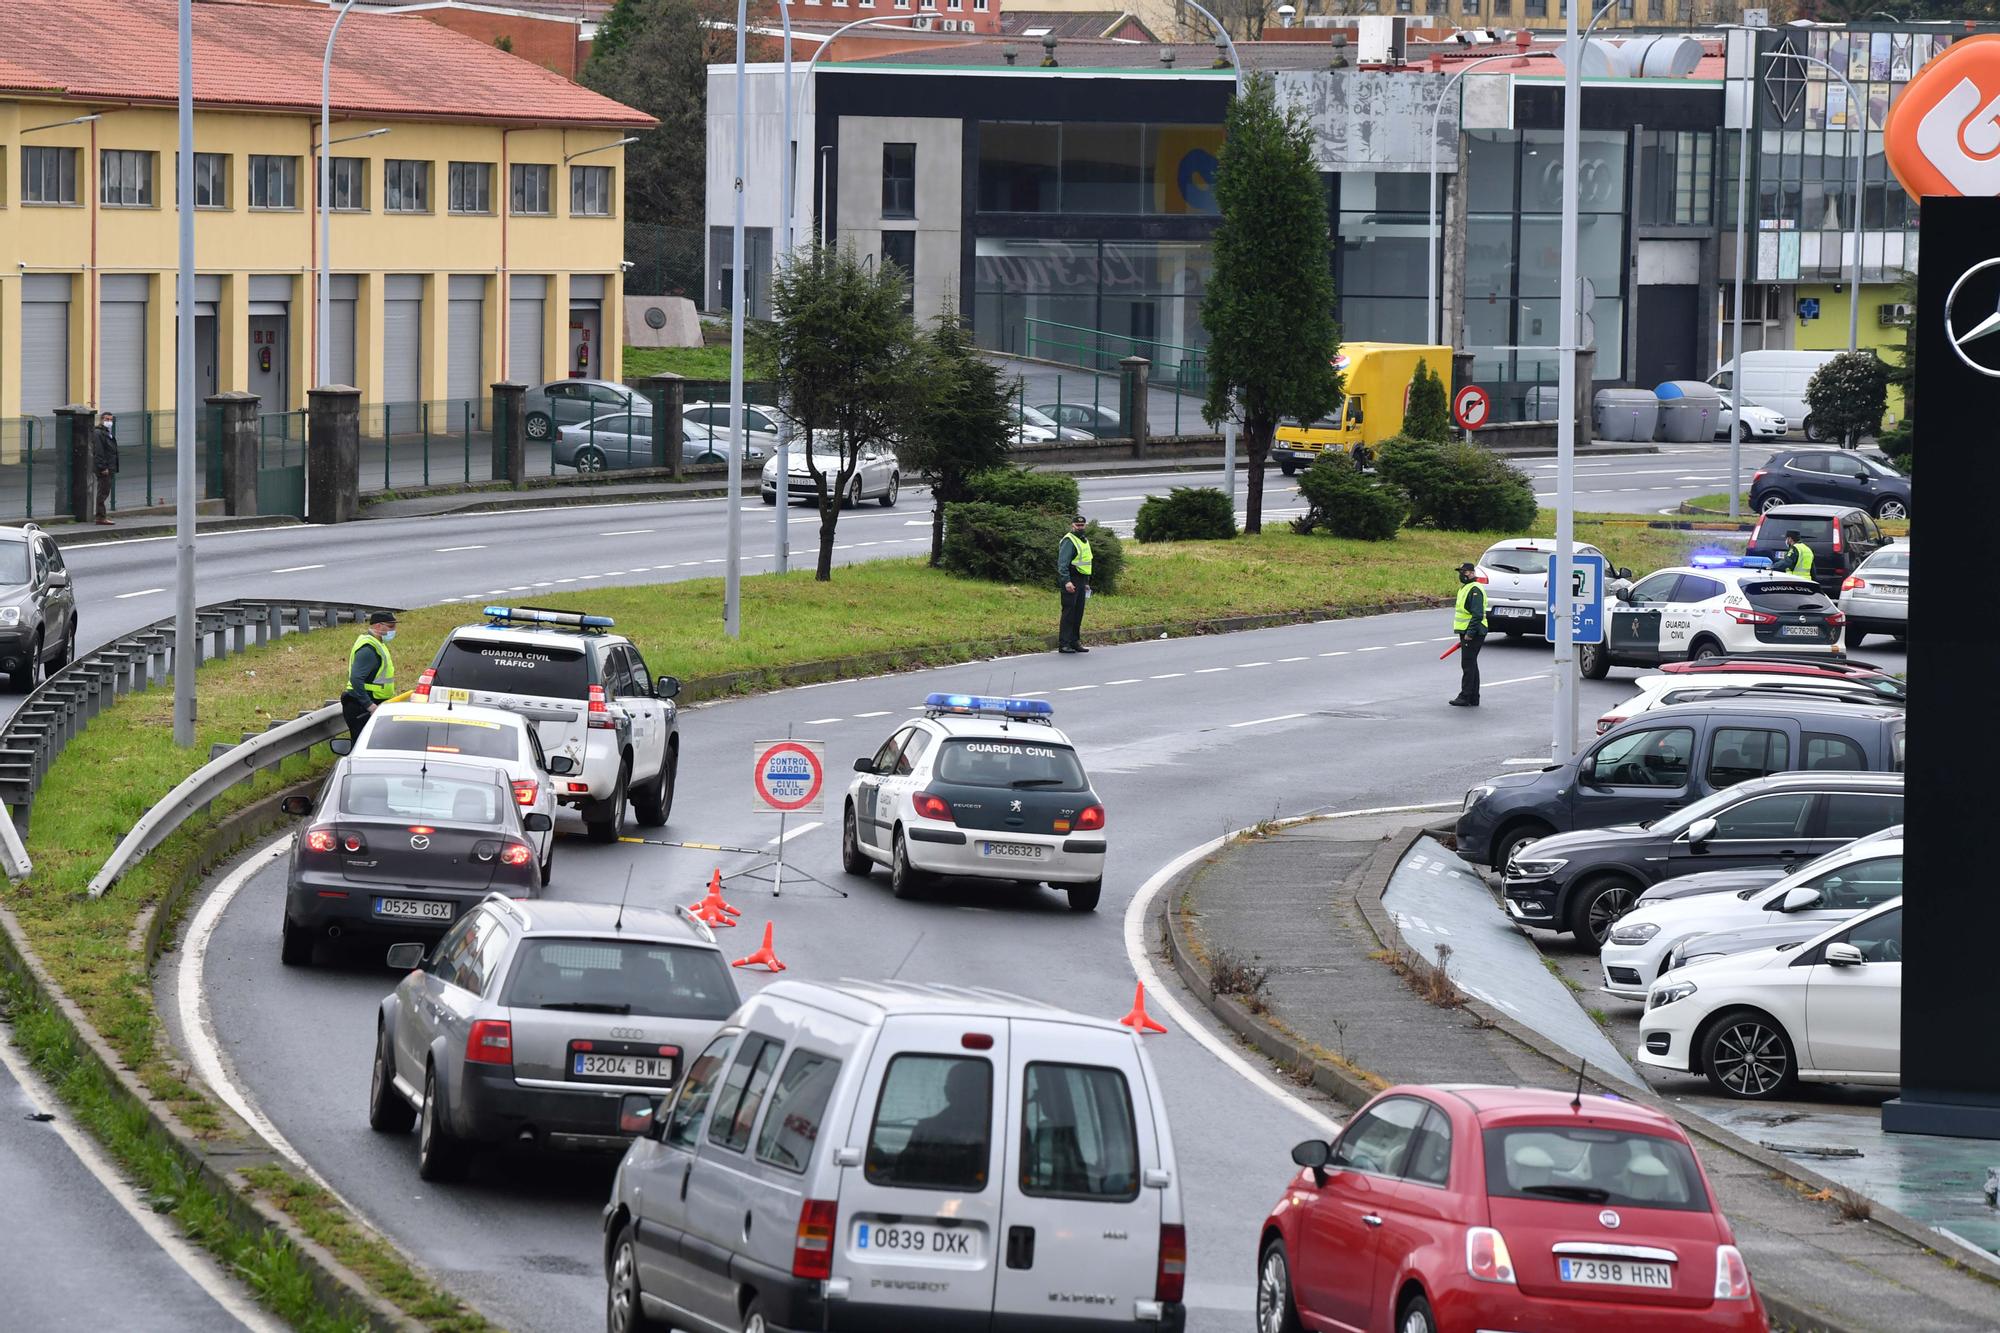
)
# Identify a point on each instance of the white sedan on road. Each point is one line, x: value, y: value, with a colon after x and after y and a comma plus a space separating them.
x: 1828, y: 1011
x: 1851, y: 879
x: 1759, y: 423
x: 1515, y: 575
x: 877, y: 476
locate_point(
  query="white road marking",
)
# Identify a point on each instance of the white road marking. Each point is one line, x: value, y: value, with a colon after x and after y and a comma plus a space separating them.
x: 1169, y: 675
x: 192, y: 1261
x: 143, y: 592
x: 1241, y: 666
x: 1029, y: 694
x: 1410, y: 643
x: 1209, y: 671
x: 880, y: 712
x: 1516, y: 680
x: 447, y: 550
x: 793, y: 833
x: 1338, y: 652
x: 1291, y: 659
x: 822, y: 721
x: 624, y: 532
x: 296, y: 569
x: 1129, y: 680
x: 1372, y: 648
x: 1260, y: 721
x: 1525, y: 759
x: 1071, y: 689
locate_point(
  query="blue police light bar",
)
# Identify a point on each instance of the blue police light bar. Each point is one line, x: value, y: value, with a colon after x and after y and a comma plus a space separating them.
x: 980, y: 704
x: 1713, y: 559
x: 535, y: 615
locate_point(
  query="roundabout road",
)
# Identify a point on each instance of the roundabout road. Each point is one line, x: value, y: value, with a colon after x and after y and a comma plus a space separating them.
x: 1185, y: 739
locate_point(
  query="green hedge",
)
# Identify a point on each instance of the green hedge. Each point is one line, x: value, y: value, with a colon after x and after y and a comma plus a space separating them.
x: 1346, y: 502
x: 1018, y: 488
x: 983, y: 540
x: 1186, y: 514
x: 1458, y: 487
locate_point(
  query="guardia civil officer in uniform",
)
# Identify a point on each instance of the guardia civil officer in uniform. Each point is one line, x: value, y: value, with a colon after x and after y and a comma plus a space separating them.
x: 1073, y: 572
x: 1468, y: 621
x: 1797, y: 557
x: 371, y: 671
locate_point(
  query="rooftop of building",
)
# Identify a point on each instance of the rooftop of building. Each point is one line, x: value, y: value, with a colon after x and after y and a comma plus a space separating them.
x: 266, y: 57
x: 558, y: 11
x: 1097, y: 23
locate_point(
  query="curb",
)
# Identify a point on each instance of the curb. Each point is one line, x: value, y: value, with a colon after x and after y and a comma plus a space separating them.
x: 215, y: 1161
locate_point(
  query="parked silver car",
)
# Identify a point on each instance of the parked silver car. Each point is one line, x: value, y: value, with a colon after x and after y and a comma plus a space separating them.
x: 561, y: 403
x: 1876, y: 596
x: 625, y: 439
x: 707, y: 424
x: 544, y: 1024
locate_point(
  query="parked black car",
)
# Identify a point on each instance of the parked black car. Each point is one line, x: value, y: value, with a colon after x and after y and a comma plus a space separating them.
x: 1668, y: 758
x: 1582, y: 882
x: 1841, y: 537
x: 1831, y: 477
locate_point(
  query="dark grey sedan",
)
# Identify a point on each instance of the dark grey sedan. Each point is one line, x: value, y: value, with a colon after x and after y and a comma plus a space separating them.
x: 402, y: 847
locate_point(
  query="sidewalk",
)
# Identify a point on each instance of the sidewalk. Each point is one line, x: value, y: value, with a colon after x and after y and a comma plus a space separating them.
x: 1307, y: 903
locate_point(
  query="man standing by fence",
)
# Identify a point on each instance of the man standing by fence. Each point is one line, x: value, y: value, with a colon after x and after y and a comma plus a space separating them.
x: 104, y: 461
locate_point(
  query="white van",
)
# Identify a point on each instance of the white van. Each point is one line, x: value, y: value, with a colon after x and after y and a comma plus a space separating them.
x: 1778, y: 380
x: 886, y: 1157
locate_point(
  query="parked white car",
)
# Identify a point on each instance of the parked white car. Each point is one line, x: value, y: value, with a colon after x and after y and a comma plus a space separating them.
x: 1515, y: 575
x: 1661, y: 691
x: 1759, y: 423
x: 1828, y: 1011
x: 877, y: 476
x: 1837, y: 886
x: 707, y: 425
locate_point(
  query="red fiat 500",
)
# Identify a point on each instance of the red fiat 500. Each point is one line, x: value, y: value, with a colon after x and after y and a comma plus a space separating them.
x: 1449, y: 1209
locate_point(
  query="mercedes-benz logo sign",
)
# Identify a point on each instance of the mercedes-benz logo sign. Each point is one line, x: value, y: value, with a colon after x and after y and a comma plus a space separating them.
x: 1609, y: 1218
x: 419, y: 841
x: 1971, y: 343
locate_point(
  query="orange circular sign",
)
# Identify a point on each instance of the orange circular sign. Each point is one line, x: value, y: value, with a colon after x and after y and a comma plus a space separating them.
x: 1943, y: 132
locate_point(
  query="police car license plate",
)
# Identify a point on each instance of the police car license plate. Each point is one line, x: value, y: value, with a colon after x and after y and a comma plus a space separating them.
x: 413, y: 909
x: 879, y: 1239
x: 1617, y: 1273
x: 1011, y: 851
x: 645, y: 1068
x: 451, y: 695
x: 1801, y: 631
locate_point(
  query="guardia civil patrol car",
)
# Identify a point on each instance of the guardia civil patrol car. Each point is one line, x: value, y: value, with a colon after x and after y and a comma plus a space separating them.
x: 1718, y: 605
x: 979, y: 787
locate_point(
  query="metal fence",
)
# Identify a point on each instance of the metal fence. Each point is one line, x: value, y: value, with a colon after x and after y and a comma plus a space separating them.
x: 666, y: 261
x: 438, y: 442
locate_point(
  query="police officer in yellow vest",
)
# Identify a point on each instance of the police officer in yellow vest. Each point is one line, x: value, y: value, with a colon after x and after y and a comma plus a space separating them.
x: 1073, y: 570
x: 371, y: 671
x: 1797, y: 557
x: 1468, y: 621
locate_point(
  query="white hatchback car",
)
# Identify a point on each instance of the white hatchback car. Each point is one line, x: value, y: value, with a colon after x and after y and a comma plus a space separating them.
x: 978, y: 787
x: 1515, y: 575
x: 877, y: 476
x: 1837, y: 886
x: 1828, y: 1011
x: 492, y: 736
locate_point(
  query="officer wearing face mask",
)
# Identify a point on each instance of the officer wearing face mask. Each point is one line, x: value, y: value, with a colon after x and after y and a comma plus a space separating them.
x: 371, y: 671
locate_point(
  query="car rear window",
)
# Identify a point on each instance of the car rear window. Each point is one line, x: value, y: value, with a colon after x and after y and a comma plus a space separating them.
x: 1510, y: 561
x: 1585, y: 1164
x: 1077, y: 1135
x: 1771, y: 530
x: 1006, y: 762
x: 656, y: 980
x: 933, y: 1124
x: 513, y: 668
x: 429, y: 796
x: 484, y: 740
x: 1785, y: 595
x: 1894, y: 558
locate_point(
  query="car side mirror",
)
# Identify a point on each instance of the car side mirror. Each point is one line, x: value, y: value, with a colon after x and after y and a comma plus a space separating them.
x: 1313, y: 1155
x: 638, y: 1114
x: 298, y: 806
x: 864, y: 765
x: 1624, y: 573
x: 1623, y: 594
x: 1843, y: 955
x: 406, y: 957
x: 669, y: 687
x: 1700, y: 831
x: 1798, y: 899
x: 559, y: 765
x: 1586, y: 769
x: 58, y: 578
x: 537, y: 822
x: 341, y: 745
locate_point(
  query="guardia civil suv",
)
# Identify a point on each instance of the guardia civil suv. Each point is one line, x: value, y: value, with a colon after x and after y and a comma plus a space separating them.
x: 590, y: 695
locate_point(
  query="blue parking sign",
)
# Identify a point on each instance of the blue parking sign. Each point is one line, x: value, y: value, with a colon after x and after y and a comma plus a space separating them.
x: 1587, y: 610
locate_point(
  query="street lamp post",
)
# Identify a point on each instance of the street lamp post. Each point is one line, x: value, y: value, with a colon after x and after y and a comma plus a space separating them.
x: 321, y: 334
x: 187, y: 645
x: 1746, y: 113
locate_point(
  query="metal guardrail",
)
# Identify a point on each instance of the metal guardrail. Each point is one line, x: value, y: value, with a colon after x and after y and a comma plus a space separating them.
x: 239, y: 763
x: 62, y: 706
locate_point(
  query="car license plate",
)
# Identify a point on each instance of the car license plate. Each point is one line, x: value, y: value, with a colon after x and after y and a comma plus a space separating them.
x: 931, y: 1242
x: 644, y: 1068
x: 1800, y: 631
x: 413, y: 909
x: 451, y: 695
x: 1011, y: 851
x: 1889, y: 589
x: 1512, y: 612
x: 1617, y: 1273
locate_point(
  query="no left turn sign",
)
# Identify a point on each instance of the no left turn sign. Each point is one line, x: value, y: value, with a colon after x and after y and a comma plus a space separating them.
x: 789, y: 776
x: 1470, y: 407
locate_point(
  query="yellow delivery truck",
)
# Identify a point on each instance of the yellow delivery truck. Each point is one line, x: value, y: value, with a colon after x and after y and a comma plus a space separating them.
x: 1377, y: 377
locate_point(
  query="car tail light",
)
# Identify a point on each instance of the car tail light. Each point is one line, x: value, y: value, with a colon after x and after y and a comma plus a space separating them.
x: 600, y: 709
x: 1732, y: 1276
x: 1757, y: 476
x: 491, y: 1042
x: 931, y: 807
x: 1170, y: 1282
x: 422, y: 828
x: 517, y: 854
x: 579, y: 786
x: 812, y: 1249
x: 352, y: 842
x: 422, y: 693
x: 977, y: 1041
x: 1836, y: 536
x: 1486, y: 1256
x: 1851, y: 582
x: 1757, y: 533
x: 1836, y: 618
x: 319, y: 840
x: 1744, y: 615
x: 1607, y: 722
x: 1090, y: 817
x: 526, y: 790
x: 1479, y: 578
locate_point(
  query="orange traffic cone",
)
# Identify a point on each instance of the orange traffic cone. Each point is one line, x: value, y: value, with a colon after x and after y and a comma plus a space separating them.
x: 768, y: 960
x: 712, y: 909
x: 1138, y: 1020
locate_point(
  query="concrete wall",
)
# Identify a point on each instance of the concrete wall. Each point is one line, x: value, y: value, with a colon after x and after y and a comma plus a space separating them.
x: 940, y: 202
x: 764, y: 90
x: 1372, y: 120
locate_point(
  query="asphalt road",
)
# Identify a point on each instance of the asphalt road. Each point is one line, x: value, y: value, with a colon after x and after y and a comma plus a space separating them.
x: 1184, y: 738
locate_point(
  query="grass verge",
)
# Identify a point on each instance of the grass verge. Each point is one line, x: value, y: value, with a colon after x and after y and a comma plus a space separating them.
x: 125, y: 762
x: 695, y: 363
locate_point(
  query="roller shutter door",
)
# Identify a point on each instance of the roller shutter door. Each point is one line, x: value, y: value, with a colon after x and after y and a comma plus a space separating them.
x: 44, y: 357
x: 122, y: 345
x: 468, y: 319
x: 340, y: 336
x: 402, y: 350
x: 524, y: 340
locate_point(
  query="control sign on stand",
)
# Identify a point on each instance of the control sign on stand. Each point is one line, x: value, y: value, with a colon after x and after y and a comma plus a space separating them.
x: 790, y: 777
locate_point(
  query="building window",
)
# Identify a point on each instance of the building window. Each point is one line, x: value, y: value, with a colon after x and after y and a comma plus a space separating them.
x: 1625, y: 10
x: 127, y: 179
x: 1405, y: 6
x: 900, y: 248
x: 48, y: 175
x: 274, y: 182
x: 347, y: 180
x: 1535, y: 9
x: 1468, y: 6
x: 979, y: 5
x: 406, y: 186
x: 590, y: 192
x: 1095, y: 167
x: 530, y: 185
x: 1502, y: 8
x: 1676, y: 178
x: 211, y: 179
x: 1656, y: 9
x: 471, y: 187
x: 899, y: 180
